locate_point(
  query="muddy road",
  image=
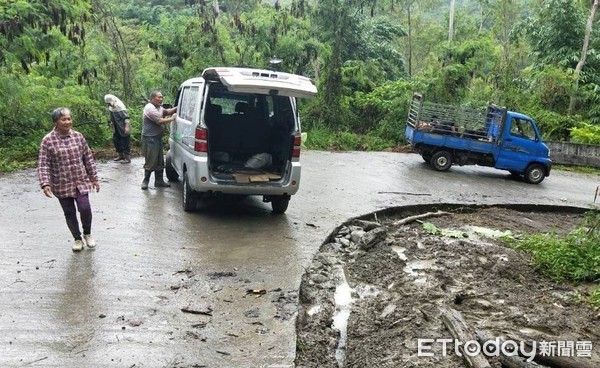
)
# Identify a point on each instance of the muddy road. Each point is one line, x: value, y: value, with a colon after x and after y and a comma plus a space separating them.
x: 215, y: 288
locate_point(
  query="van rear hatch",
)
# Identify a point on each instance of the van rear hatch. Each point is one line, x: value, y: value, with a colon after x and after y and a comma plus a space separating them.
x: 261, y: 81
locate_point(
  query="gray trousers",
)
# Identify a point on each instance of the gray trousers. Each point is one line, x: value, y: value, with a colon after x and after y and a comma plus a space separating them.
x: 152, y: 149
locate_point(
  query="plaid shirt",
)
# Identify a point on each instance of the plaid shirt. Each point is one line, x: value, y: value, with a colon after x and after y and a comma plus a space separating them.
x: 66, y: 164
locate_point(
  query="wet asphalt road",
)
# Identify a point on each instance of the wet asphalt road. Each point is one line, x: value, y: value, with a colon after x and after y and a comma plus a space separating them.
x: 234, y: 263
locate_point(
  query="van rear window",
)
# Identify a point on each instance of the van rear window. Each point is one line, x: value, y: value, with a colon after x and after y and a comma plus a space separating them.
x: 262, y: 106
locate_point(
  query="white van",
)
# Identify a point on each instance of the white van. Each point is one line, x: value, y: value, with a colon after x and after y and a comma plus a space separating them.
x: 237, y: 131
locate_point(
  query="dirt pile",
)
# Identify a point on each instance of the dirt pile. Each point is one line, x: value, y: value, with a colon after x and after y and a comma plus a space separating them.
x: 376, y: 287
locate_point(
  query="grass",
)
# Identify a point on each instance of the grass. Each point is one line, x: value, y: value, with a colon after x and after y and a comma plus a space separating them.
x: 326, y: 140
x: 572, y: 257
x: 577, y: 169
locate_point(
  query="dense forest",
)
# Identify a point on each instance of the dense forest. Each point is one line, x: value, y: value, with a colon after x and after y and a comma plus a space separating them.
x: 367, y: 57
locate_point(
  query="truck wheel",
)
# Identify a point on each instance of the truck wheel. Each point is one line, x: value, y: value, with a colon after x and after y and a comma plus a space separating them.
x: 189, y: 197
x: 170, y: 171
x: 441, y: 160
x: 280, y: 203
x: 535, y: 173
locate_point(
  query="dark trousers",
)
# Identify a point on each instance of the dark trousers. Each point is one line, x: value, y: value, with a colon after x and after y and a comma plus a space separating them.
x: 122, y: 144
x: 85, y: 212
x: 152, y: 149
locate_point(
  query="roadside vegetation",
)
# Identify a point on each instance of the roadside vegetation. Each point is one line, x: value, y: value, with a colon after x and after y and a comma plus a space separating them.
x: 577, y: 169
x: 367, y: 57
x: 573, y: 257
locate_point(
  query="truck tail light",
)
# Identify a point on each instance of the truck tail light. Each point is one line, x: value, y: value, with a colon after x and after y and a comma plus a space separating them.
x: 201, y: 144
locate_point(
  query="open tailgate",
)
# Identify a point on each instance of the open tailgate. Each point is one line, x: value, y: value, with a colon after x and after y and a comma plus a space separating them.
x: 261, y: 81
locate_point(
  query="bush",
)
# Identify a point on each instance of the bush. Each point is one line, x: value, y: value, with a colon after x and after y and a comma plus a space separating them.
x: 573, y: 257
x: 324, y: 139
x: 586, y: 133
x: 26, y: 117
x: 552, y: 125
x: 318, y: 138
x: 383, y: 111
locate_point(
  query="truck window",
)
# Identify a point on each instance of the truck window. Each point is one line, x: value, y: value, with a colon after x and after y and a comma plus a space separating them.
x: 522, y: 128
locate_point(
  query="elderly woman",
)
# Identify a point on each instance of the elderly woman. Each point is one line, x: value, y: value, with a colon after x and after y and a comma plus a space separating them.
x: 119, y: 121
x: 67, y: 170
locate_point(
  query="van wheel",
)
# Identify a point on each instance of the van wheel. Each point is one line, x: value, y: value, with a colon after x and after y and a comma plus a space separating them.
x: 441, y: 160
x: 170, y: 171
x: 535, y: 174
x: 280, y: 203
x: 189, y: 197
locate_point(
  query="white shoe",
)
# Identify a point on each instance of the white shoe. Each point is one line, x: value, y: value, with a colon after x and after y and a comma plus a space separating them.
x: 89, y: 241
x: 78, y: 245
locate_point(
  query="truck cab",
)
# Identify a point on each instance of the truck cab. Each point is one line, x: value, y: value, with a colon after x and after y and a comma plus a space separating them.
x: 521, y: 149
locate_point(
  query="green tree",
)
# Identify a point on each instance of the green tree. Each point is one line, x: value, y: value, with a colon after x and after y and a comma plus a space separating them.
x: 29, y: 30
x: 555, y: 32
x: 340, y: 27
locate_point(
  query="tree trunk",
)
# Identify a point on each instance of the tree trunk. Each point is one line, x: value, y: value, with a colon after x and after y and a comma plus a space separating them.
x: 451, y: 22
x: 544, y: 360
x: 409, y: 38
x: 408, y: 220
x: 584, y: 50
x: 216, y: 7
x: 457, y: 326
x: 515, y: 362
x: 113, y: 34
x: 480, y: 17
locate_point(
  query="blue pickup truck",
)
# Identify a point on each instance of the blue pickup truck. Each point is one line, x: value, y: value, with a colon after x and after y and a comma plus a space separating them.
x: 494, y: 137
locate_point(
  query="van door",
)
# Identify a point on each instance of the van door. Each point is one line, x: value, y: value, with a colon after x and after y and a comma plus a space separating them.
x: 182, y: 129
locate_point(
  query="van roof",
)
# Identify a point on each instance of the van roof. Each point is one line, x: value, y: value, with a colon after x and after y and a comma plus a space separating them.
x: 261, y: 81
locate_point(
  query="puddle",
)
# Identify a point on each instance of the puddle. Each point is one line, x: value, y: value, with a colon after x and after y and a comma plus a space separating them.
x: 476, y: 235
x: 343, y: 305
x: 486, y: 232
x: 366, y: 291
x: 400, y: 252
x: 343, y: 300
x: 422, y: 281
x: 413, y: 267
x: 537, y: 330
x: 314, y: 310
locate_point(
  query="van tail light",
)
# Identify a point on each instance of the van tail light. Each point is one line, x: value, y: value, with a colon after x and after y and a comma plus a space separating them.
x: 201, y: 144
x: 296, y: 142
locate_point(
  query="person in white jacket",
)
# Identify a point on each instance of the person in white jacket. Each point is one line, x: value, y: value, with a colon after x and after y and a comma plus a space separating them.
x: 121, y: 127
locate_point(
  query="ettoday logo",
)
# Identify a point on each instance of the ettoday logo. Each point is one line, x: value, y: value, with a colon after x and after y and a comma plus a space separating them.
x: 497, y: 347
